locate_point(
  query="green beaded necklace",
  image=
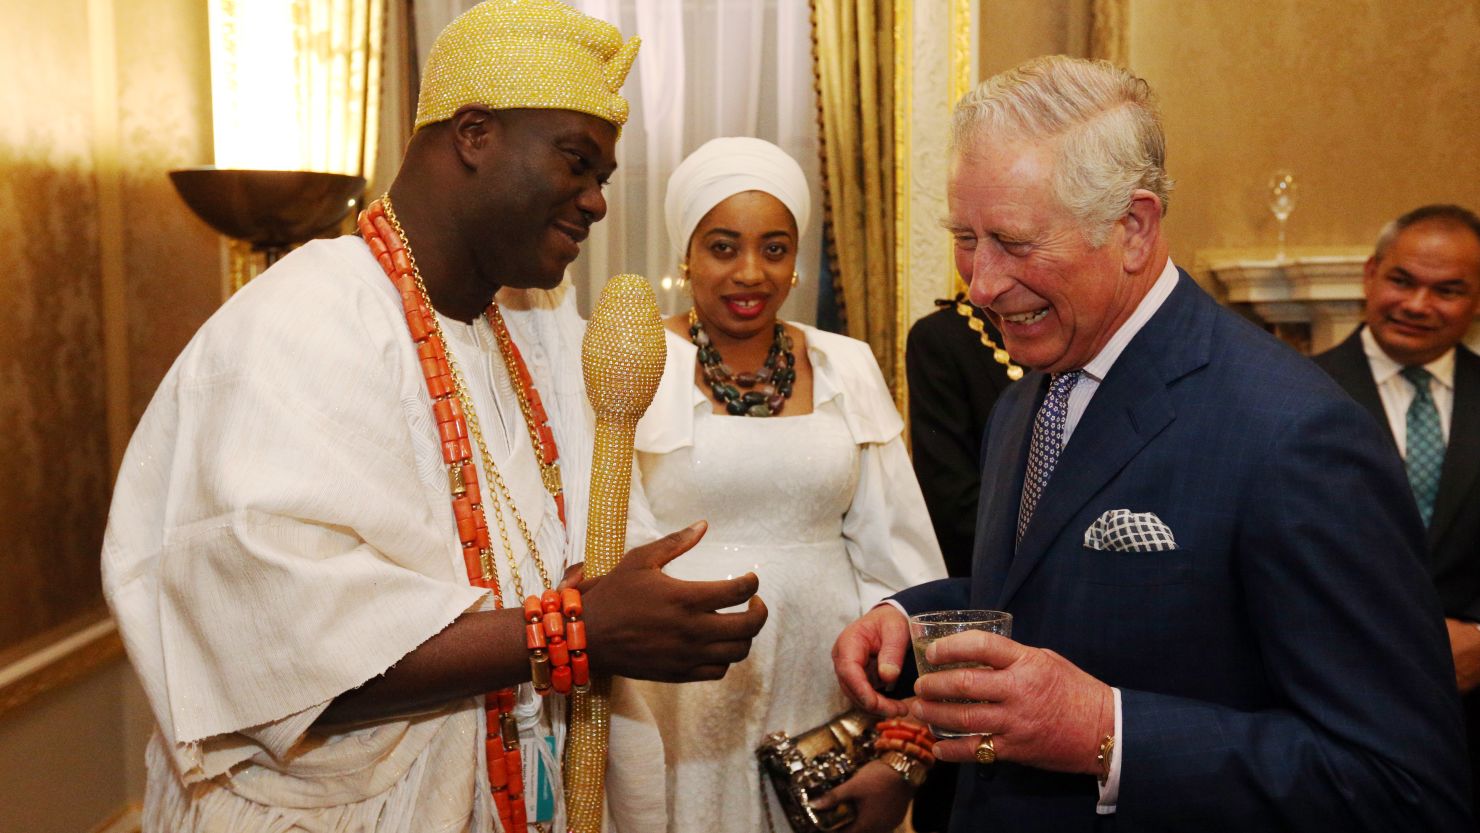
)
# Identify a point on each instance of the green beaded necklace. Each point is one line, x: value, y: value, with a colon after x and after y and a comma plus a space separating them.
x: 765, y: 391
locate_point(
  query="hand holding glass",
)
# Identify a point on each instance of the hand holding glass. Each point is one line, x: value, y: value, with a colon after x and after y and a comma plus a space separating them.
x: 926, y: 628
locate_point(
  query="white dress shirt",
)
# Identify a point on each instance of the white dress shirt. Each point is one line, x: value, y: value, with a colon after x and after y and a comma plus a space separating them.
x: 1096, y: 369
x: 1396, y: 392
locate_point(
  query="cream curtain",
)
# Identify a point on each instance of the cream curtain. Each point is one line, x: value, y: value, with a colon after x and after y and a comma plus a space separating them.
x: 342, y: 43
x: 296, y: 83
x: 1109, y: 31
x: 854, y: 51
x: 707, y: 68
x: 295, y: 86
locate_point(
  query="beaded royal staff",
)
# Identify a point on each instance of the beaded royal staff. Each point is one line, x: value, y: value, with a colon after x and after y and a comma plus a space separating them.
x: 622, y: 359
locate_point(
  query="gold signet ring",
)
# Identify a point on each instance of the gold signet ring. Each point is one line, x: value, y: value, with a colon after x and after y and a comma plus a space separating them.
x: 986, y: 753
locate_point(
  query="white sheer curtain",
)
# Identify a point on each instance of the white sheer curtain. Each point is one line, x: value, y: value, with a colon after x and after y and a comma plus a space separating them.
x: 707, y: 68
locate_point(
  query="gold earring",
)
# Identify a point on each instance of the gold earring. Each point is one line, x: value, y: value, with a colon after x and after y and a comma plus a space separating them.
x: 794, y: 279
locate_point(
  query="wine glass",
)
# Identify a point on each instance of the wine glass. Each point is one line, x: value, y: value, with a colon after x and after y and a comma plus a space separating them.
x: 1281, y: 191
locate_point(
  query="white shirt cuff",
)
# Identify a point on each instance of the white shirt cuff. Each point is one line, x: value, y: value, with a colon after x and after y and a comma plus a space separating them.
x: 906, y: 614
x: 1110, y: 790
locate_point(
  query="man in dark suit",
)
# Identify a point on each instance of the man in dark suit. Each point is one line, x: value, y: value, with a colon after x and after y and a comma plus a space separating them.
x: 1408, y: 367
x: 1218, y: 622
x: 956, y: 369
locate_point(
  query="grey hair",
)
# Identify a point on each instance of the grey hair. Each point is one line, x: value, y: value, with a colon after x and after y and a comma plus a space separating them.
x: 1453, y: 215
x: 1102, y: 124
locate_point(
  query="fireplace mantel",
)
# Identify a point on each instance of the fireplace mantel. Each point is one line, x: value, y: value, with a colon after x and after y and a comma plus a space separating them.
x: 1312, y: 296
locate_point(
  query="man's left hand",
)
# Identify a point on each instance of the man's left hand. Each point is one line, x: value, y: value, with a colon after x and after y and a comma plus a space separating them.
x: 880, y: 798
x: 1464, y: 644
x: 1040, y: 709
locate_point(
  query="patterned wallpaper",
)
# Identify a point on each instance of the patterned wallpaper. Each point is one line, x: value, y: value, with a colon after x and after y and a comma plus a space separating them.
x: 51, y: 359
x: 53, y: 377
x: 1371, y: 103
x: 172, y: 259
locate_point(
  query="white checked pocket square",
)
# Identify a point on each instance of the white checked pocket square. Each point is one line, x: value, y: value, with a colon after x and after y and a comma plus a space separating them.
x: 1121, y: 530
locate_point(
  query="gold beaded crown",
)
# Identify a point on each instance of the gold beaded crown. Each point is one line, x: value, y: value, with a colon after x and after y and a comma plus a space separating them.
x: 537, y: 54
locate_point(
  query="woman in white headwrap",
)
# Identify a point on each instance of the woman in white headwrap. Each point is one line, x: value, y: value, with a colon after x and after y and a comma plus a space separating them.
x: 786, y: 440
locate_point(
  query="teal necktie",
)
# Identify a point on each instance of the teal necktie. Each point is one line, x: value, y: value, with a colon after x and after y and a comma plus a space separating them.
x: 1425, y: 457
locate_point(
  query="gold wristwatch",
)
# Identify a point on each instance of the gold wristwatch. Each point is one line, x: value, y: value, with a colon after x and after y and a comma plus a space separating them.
x: 910, y: 769
x: 1105, y: 758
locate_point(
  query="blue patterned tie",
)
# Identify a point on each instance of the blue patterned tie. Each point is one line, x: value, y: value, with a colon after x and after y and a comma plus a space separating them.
x: 1048, y: 441
x: 1425, y: 457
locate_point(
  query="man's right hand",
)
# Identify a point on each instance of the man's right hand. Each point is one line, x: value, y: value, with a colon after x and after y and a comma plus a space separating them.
x: 870, y: 652
x: 644, y: 624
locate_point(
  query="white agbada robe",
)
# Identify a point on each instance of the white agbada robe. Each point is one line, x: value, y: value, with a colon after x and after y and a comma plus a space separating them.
x: 281, y: 532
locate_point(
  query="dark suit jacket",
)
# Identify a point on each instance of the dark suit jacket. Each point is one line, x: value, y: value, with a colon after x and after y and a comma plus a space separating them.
x: 1286, y: 668
x: 1453, y: 553
x: 954, y: 382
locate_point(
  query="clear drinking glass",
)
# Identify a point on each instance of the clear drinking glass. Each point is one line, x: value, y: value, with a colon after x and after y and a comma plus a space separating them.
x: 925, y: 628
x: 1281, y: 191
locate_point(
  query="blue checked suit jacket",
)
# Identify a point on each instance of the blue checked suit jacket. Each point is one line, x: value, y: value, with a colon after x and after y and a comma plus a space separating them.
x: 1287, y: 667
x: 1453, y: 555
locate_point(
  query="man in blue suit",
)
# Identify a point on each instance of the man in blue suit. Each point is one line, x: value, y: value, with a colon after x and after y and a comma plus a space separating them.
x: 1220, y: 617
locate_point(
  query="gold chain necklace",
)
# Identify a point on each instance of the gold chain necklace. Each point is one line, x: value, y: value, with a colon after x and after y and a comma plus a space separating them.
x: 460, y: 386
x: 999, y: 355
x: 535, y: 417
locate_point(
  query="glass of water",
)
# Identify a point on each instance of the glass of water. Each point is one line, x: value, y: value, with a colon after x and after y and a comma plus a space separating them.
x: 925, y: 628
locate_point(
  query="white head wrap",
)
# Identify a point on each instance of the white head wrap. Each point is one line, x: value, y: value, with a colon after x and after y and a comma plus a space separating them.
x: 722, y: 168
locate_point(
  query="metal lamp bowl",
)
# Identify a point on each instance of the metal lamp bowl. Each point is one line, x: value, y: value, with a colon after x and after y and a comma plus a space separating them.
x: 272, y: 210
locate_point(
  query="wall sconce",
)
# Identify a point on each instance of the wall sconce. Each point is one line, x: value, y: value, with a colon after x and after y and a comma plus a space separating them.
x: 295, y: 92
x: 273, y: 211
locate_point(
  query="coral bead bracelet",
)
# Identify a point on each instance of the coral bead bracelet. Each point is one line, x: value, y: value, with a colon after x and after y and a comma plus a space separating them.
x: 556, y: 638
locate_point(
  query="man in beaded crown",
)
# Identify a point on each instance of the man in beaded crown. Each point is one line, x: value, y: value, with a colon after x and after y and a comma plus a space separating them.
x: 360, y: 466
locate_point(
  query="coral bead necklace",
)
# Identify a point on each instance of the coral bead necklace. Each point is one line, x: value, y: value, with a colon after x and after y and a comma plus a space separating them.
x: 457, y: 422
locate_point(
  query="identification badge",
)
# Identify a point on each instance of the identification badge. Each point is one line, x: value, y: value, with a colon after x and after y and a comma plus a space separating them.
x: 544, y: 784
